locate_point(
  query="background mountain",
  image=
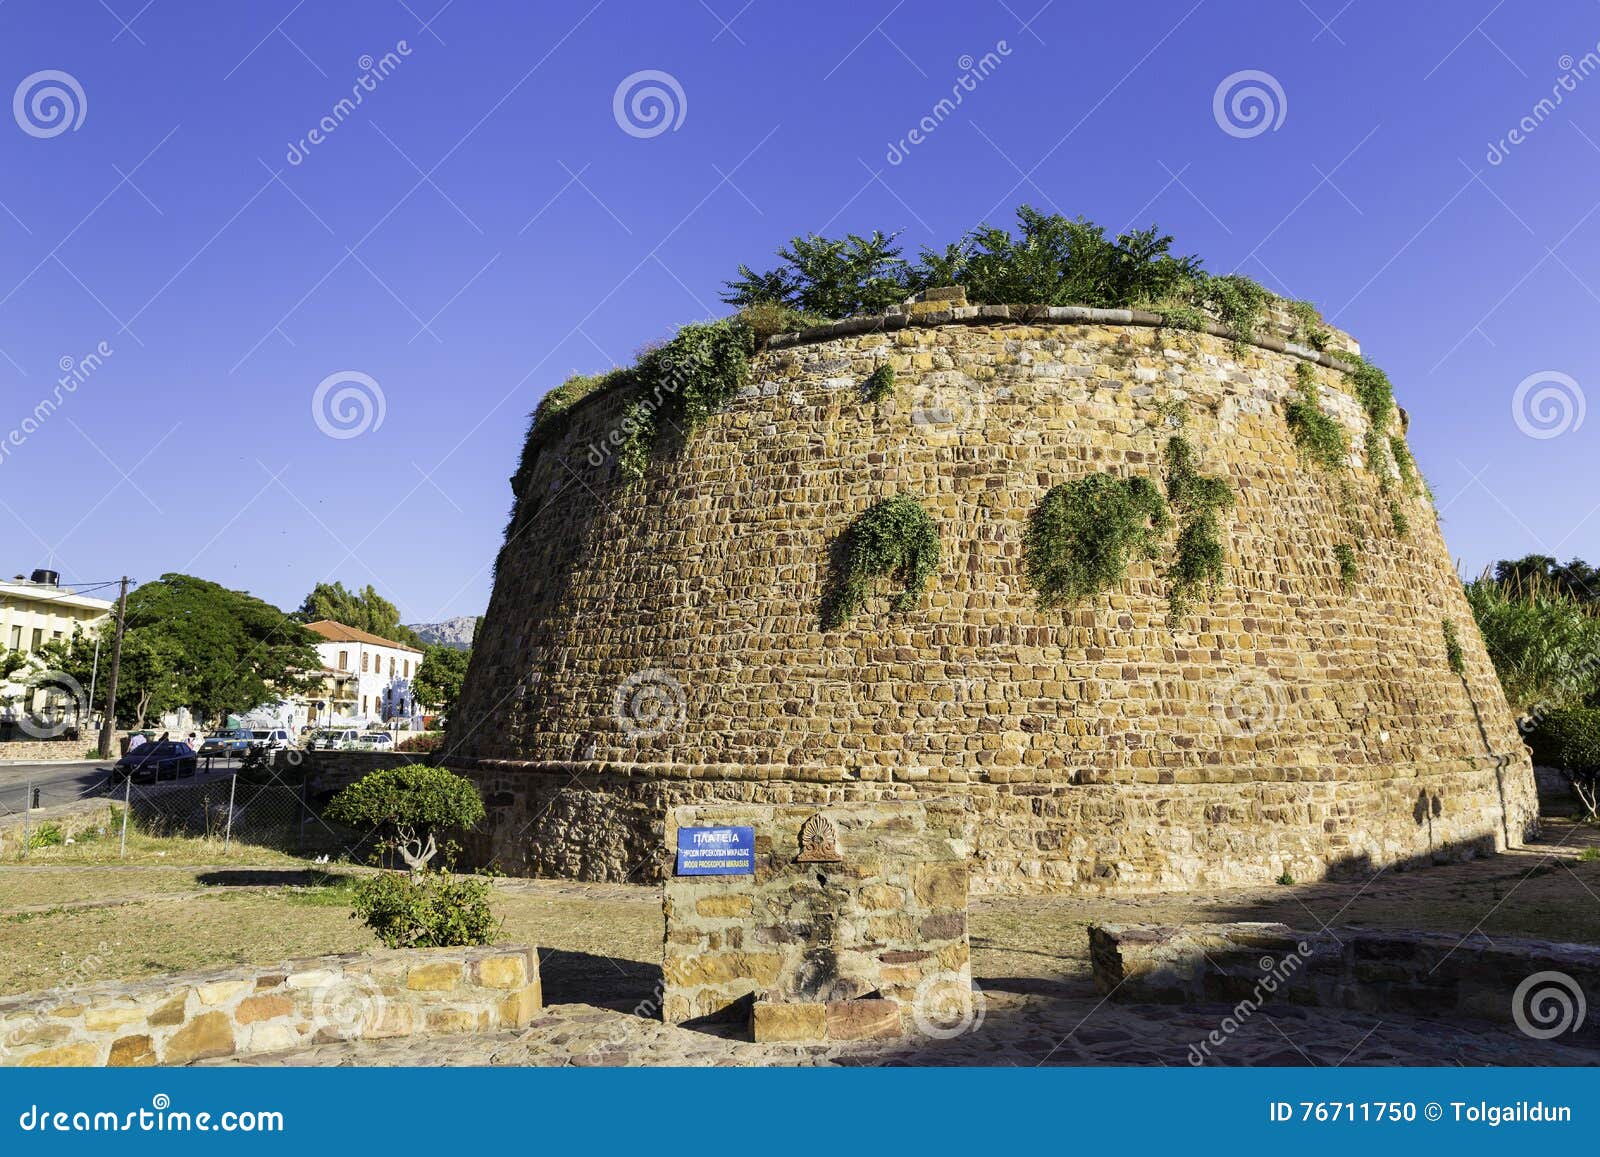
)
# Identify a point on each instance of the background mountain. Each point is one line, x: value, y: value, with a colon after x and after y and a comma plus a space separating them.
x: 456, y: 632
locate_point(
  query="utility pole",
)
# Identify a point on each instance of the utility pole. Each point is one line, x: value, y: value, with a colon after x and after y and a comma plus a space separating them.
x: 108, y: 725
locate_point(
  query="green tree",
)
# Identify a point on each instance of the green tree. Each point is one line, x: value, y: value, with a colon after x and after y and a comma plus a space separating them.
x: 412, y: 805
x: 366, y: 610
x: 197, y: 644
x: 439, y: 678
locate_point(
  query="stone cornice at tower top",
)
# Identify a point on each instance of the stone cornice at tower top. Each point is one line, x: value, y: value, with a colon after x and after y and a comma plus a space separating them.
x: 1274, y: 332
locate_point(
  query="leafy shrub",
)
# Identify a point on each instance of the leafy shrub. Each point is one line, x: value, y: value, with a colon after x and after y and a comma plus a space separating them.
x: 1403, y: 461
x: 894, y: 539
x: 1570, y: 740
x: 1345, y: 555
x: 879, y: 384
x: 1196, y: 499
x: 426, y: 910
x: 1308, y: 327
x: 767, y: 319
x: 424, y: 742
x: 1236, y: 299
x: 1544, y: 642
x: 1452, y: 648
x: 1320, y: 436
x: 47, y: 835
x: 1373, y: 390
x: 1081, y: 536
x: 411, y: 805
x: 833, y: 278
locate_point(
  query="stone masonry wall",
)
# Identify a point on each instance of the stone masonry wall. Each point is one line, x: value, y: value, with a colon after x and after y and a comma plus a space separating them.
x: 656, y: 645
x: 172, y: 1020
x: 887, y: 920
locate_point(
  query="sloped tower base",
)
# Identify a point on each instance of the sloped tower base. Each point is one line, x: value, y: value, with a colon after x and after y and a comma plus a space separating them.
x: 659, y: 644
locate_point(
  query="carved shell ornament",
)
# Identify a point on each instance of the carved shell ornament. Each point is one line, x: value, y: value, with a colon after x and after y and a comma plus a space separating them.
x: 819, y: 841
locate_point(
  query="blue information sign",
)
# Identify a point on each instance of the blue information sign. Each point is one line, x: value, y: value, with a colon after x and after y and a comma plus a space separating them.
x: 716, y: 851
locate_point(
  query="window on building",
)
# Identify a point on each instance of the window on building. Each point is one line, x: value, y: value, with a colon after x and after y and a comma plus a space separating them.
x: 391, y: 666
x: 38, y: 637
x: 363, y: 705
x: 16, y: 638
x: 405, y: 669
x: 344, y: 660
x: 364, y: 658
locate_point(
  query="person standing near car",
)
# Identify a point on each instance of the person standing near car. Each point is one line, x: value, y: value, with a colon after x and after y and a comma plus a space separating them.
x: 136, y: 740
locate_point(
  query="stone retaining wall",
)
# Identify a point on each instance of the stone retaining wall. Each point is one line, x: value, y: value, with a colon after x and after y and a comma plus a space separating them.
x: 42, y: 750
x: 884, y: 920
x: 1290, y: 722
x: 173, y: 1020
x: 1419, y: 973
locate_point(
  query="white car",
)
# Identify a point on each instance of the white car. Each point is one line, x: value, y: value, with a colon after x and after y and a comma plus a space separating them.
x: 337, y: 740
x: 375, y: 741
x: 273, y: 739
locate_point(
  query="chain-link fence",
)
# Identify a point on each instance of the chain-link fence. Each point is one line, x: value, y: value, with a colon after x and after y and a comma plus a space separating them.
x: 267, y: 805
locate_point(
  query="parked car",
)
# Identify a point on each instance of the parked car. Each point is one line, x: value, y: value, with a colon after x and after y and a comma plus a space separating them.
x: 272, y: 738
x: 375, y: 741
x: 155, y: 761
x: 338, y: 740
x: 230, y: 743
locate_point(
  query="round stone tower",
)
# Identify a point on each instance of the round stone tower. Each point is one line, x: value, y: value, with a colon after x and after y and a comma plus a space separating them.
x: 1329, y: 705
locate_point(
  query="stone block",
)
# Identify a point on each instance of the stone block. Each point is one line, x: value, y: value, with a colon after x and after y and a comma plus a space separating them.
x: 772, y: 1021
x: 114, y: 1016
x: 863, y: 1020
x: 208, y: 1035
x: 518, y: 1009
x: 941, y: 885
x: 434, y: 976
x: 62, y: 1056
x: 170, y: 1012
x: 264, y: 1007
x: 509, y: 970
x: 222, y: 991
x: 731, y: 907
x: 131, y: 1051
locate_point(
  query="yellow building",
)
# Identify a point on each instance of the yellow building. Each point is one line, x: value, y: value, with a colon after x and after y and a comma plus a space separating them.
x: 39, y: 610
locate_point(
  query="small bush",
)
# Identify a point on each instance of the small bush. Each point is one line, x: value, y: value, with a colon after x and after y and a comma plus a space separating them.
x: 1083, y: 533
x: 1286, y: 879
x: 1570, y: 740
x: 47, y: 835
x: 1196, y: 499
x: 894, y: 539
x: 767, y: 319
x: 1319, y: 435
x: 1308, y: 327
x: 1345, y: 555
x: 424, y: 742
x: 879, y: 384
x: 1590, y: 854
x: 1452, y: 648
x: 429, y: 910
x: 411, y: 805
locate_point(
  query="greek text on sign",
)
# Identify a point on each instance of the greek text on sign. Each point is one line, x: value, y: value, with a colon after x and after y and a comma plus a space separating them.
x: 716, y: 851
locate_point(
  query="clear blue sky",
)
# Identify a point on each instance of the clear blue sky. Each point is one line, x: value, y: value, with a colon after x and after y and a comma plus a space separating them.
x: 481, y: 227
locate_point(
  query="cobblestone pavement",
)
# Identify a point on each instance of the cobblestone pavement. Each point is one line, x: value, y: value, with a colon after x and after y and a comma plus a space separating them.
x: 1041, y: 1028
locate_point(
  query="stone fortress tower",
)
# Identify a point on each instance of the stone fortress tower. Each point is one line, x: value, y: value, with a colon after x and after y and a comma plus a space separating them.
x: 1329, y: 705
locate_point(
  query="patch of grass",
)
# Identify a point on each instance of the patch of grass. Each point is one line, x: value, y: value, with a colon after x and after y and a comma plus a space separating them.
x: 1590, y: 854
